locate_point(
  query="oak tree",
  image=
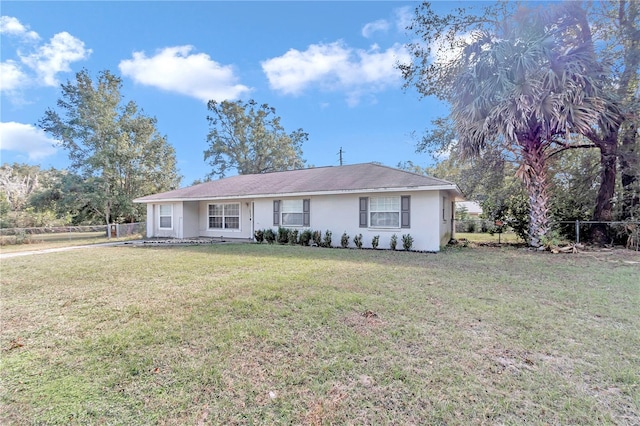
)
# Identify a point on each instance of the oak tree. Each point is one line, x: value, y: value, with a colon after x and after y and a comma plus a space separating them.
x: 249, y: 138
x: 113, y: 145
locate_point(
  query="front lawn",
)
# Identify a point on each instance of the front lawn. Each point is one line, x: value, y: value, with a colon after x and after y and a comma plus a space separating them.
x: 259, y: 334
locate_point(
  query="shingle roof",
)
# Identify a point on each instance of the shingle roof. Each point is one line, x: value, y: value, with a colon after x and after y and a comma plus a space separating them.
x: 331, y: 179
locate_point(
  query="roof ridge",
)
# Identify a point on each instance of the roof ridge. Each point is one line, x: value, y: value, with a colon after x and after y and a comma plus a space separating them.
x: 410, y: 172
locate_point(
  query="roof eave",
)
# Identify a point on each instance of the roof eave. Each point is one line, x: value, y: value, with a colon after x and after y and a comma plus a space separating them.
x: 450, y: 187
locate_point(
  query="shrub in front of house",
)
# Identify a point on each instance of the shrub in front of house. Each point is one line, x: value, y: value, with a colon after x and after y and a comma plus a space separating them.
x: 375, y: 241
x: 407, y: 242
x: 393, y: 242
x: 316, y: 236
x: 305, y: 237
x: 357, y: 240
x: 293, y: 236
x: 283, y: 235
x: 344, y: 240
x: 269, y: 236
x: 259, y: 236
x: 326, y: 242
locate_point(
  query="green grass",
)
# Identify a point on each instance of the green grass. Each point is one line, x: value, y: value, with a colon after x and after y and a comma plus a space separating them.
x: 258, y: 334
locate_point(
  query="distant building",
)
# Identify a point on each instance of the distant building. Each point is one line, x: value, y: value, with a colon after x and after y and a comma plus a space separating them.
x: 472, y: 208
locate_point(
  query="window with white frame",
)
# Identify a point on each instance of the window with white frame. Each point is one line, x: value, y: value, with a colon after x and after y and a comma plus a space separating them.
x: 384, y: 212
x: 165, y: 215
x: 224, y: 216
x: 292, y: 213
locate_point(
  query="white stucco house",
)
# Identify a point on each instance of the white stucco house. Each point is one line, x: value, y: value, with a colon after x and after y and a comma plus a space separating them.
x: 368, y: 199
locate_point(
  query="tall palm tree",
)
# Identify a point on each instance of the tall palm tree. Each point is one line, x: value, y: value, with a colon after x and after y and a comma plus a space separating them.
x: 528, y: 87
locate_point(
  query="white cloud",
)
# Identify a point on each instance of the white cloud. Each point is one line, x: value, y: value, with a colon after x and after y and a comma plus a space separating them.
x: 12, y: 26
x: 176, y: 69
x: 403, y: 18
x: 372, y: 27
x: 11, y: 77
x: 41, y: 63
x: 336, y: 67
x: 27, y: 139
x: 55, y: 57
x: 293, y: 71
x: 378, y: 67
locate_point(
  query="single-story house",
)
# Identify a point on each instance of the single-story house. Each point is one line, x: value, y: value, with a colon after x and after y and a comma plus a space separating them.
x: 368, y: 199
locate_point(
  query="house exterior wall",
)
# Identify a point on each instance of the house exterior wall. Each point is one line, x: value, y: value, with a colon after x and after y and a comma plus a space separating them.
x: 245, y: 220
x: 340, y: 213
x: 153, y: 221
x: 430, y: 219
x: 446, y: 219
x: 190, y: 219
x: 150, y: 220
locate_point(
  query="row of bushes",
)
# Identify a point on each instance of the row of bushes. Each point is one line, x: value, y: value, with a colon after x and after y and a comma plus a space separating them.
x: 316, y: 238
x: 293, y: 236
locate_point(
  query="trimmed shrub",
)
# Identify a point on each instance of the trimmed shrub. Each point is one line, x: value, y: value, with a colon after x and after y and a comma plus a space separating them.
x: 293, y: 236
x: 327, y: 239
x: 393, y: 242
x: 344, y: 240
x: 269, y: 236
x: 375, y: 241
x: 305, y: 237
x: 317, y: 238
x: 259, y: 236
x: 407, y: 242
x: 357, y: 240
x: 283, y: 235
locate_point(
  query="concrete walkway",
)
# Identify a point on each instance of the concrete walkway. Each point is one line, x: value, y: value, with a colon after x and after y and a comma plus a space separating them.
x: 139, y: 243
x: 55, y: 250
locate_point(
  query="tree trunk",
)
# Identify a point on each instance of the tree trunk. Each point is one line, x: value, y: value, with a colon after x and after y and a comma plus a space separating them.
x: 629, y: 151
x: 604, y: 207
x: 534, y: 174
x: 629, y: 154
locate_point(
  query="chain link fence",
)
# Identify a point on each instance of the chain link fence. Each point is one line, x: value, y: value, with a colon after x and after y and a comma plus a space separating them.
x: 62, y: 233
x: 618, y: 233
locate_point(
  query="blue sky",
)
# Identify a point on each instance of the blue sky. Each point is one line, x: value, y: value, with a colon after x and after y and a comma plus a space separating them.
x: 326, y: 67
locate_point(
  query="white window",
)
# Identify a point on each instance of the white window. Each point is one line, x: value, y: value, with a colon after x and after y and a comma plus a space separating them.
x: 384, y: 212
x: 224, y: 216
x: 292, y: 213
x: 165, y: 214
